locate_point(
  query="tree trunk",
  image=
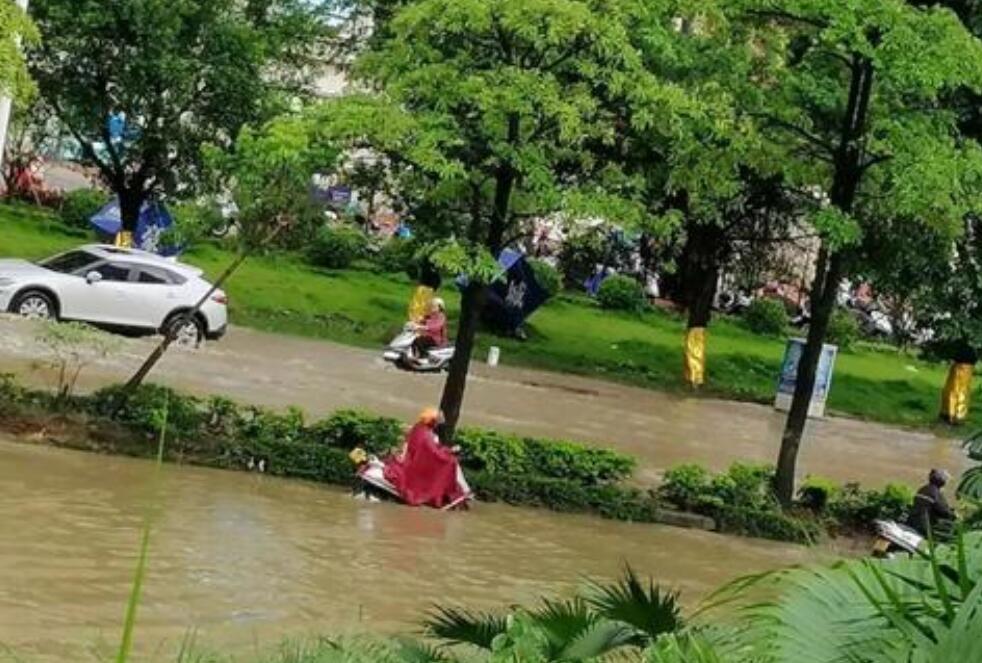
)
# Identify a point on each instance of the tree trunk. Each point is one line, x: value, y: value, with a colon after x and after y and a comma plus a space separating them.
x: 471, y: 305
x: 137, y: 379
x: 830, y: 271
x: 130, y: 203
x: 700, y: 281
x: 472, y: 301
x: 703, y: 246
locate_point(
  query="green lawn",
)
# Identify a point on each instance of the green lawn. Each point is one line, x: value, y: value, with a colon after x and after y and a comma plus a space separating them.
x: 282, y: 294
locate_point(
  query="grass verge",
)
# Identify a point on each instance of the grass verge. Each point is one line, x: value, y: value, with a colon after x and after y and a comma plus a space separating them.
x: 283, y: 294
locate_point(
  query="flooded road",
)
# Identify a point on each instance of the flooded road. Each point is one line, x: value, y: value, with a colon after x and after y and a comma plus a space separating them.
x: 246, y: 560
x: 659, y: 429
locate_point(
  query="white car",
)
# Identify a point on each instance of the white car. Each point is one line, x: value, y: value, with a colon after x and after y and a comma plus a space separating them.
x: 117, y: 288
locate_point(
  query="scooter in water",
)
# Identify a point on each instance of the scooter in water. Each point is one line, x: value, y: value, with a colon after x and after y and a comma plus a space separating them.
x: 400, y: 352
x: 373, y: 486
x: 893, y: 538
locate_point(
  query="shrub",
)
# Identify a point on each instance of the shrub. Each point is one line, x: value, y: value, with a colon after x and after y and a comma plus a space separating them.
x: 740, y: 500
x: 686, y: 486
x: 347, y: 429
x: 79, y: 206
x: 547, y: 276
x: 767, y: 317
x: 816, y: 493
x: 843, y: 329
x: 610, y: 501
x: 501, y: 453
x: 493, y: 452
x: 767, y: 523
x: 261, y: 424
x: 337, y: 248
x: 286, y: 458
x: 568, y: 460
x: 397, y: 256
x: 744, y: 485
x: 621, y: 293
x: 579, y: 257
x: 855, y: 509
x: 146, y: 407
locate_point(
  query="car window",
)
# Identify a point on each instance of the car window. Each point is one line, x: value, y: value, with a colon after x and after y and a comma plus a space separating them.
x: 73, y: 261
x: 113, y: 271
x: 157, y: 275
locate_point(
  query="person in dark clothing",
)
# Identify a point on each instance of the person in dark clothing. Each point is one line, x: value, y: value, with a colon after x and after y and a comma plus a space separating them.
x: 930, y: 507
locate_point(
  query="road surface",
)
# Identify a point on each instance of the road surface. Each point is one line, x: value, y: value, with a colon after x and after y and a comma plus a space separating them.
x: 661, y: 430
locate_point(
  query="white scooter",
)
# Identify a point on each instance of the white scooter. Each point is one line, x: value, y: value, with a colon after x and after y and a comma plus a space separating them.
x: 892, y: 537
x: 400, y: 353
x: 374, y: 486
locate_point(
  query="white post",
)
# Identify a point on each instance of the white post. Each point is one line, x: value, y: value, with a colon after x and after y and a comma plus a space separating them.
x: 5, y: 106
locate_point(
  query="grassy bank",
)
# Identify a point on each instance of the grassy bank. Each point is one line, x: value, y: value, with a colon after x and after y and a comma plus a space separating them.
x: 283, y: 294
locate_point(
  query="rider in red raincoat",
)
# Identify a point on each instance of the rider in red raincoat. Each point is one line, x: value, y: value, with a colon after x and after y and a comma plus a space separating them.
x: 426, y: 472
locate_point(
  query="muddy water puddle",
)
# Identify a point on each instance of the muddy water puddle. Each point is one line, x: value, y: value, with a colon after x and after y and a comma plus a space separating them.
x: 661, y: 430
x: 244, y: 560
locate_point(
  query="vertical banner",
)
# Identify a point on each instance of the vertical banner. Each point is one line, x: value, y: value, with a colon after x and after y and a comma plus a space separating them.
x: 789, y: 377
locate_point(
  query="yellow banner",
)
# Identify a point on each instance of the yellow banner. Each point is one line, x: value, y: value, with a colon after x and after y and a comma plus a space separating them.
x: 957, y: 393
x: 419, y: 305
x: 124, y: 239
x: 694, y: 368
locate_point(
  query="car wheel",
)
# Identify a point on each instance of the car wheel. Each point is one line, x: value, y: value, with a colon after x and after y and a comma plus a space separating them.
x: 186, y: 331
x: 35, y: 305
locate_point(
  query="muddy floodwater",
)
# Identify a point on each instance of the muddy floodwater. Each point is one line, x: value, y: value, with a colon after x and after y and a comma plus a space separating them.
x: 244, y: 560
x: 660, y: 430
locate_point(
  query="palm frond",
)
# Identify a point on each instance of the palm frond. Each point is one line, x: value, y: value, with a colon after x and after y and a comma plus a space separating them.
x: 865, y: 610
x: 686, y: 648
x: 973, y: 446
x: 645, y: 608
x: 413, y: 651
x: 599, y: 639
x: 970, y: 486
x: 461, y: 627
x: 563, y: 621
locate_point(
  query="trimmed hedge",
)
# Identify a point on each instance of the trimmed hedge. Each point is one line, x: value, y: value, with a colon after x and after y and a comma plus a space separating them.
x: 502, y: 453
x: 557, y: 475
x: 741, y: 501
x: 610, y: 501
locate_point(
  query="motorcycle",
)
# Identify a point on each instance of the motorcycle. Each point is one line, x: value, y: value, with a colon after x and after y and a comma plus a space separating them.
x: 892, y: 537
x: 373, y: 486
x: 400, y: 352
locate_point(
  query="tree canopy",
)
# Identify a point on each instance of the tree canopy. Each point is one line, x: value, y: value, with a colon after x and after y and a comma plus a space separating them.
x: 143, y: 84
x: 495, y: 105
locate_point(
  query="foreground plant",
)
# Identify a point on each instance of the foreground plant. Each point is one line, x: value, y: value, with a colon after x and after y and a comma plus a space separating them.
x: 136, y: 591
x: 71, y: 347
x: 623, y: 616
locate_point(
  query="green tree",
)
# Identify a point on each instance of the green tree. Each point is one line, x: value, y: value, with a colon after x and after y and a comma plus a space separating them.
x: 702, y: 172
x: 172, y: 75
x: 268, y: 175
x: 848, y: 96
x: 16, y: 31
x: 492, y: 106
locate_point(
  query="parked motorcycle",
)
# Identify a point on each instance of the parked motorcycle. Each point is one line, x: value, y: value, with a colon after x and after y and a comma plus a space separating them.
x: 400, y: 352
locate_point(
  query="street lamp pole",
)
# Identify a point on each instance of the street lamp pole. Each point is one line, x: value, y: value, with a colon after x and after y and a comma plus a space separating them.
x: 5, y: 106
